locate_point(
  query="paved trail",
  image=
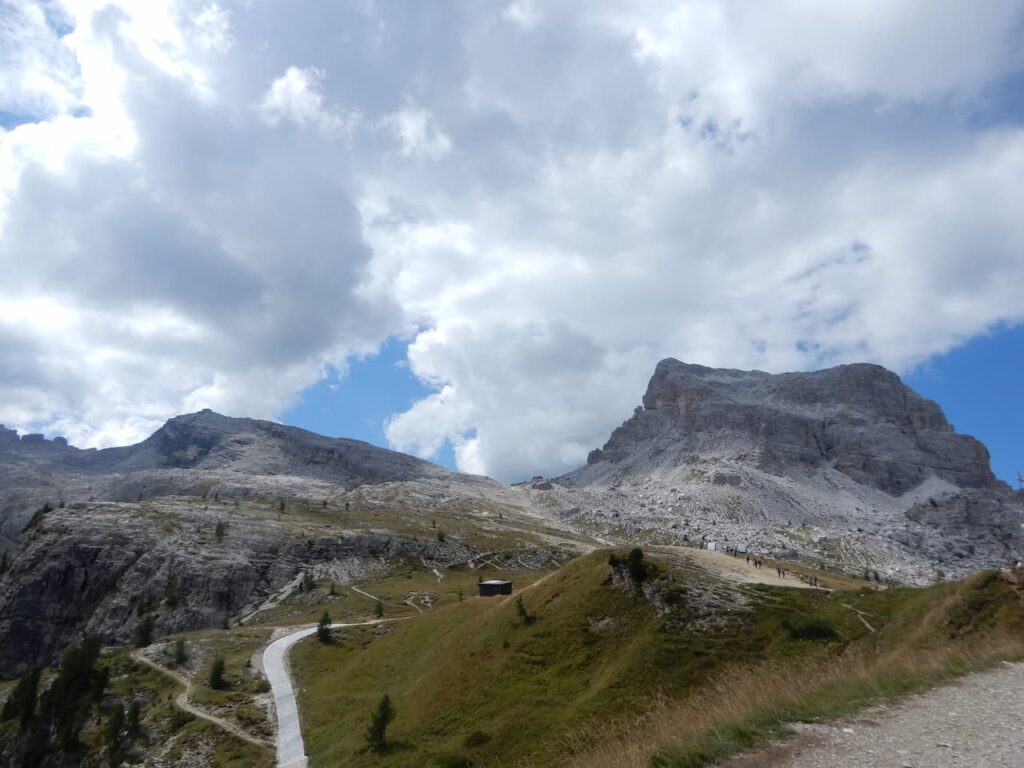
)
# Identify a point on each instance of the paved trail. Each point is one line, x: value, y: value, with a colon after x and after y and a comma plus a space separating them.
x: 975, y: 722
x: 291, y: 751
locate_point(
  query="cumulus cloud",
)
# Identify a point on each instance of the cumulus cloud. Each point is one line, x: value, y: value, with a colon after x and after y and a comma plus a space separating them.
x: 546, y: 199
x: 297, y: 96
x: 38, y: 74
x: 418, y: 134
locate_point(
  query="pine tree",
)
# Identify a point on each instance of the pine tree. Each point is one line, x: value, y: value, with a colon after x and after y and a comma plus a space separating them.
x: 217, y: 673
x: 323, y: 629
x: 376, y: 732
x: 99, y: 684
x: 144, y: 631
x: 524, y: 615
x: 115, y: 725
x: 134, y: 718
x: 22, y: 701
x: 379, y: 609
x: 180, y: 653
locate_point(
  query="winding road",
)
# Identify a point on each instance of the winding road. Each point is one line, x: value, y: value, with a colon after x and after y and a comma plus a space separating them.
x: 291, y: 751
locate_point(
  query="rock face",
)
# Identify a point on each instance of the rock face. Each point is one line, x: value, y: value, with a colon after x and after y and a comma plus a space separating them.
x: 859, y: 419
x: 97, y: 569
x: 848, y: 449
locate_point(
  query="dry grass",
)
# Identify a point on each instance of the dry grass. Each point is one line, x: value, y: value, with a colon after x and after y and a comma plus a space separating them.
x: 747, y: 705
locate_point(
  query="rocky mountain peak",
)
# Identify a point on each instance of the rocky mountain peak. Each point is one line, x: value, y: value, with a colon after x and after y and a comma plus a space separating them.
x: 860, y: 419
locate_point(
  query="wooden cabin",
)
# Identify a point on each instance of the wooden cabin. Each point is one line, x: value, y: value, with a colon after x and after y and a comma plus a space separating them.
x: 495, y: 587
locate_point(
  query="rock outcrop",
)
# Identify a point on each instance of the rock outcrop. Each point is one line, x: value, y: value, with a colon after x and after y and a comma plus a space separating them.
x: 859, y: 419
x: 849, y: 448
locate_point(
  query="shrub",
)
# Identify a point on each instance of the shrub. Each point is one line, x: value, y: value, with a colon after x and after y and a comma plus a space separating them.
x: 171, y: 596
x: 180, y: 718
x: 476, y: 739
x: 379, y: 609
x: 38, y: 515
x: 450, y: 761
x: 810, y: 628
x: 638, y: 569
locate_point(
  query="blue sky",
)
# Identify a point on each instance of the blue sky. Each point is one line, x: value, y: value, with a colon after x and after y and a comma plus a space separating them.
x: 209, y: 204
x: 980, y: 387
x: 359, y: 404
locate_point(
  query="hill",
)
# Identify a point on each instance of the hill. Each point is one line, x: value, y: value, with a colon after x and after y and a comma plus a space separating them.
x: 602, y: 656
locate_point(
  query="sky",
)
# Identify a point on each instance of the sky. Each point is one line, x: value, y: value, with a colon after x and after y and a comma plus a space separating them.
x: 469, y: 230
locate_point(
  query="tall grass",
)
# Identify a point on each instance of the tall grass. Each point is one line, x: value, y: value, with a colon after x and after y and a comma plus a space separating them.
x: 745, y: 706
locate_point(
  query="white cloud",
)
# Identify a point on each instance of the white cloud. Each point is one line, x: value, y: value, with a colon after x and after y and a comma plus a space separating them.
x: 297, y: 96
x: 776, y: 186
x: 419, y: 134
x: 211, y: 29
x: 38, y: 76
x: 522, y: 13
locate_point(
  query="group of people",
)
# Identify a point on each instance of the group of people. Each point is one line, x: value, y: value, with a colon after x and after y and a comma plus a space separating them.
x: 759, y: 563
x: 780, y: 571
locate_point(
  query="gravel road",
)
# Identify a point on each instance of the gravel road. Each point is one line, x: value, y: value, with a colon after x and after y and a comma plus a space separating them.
x: 976, y: 722
x: 291, y: 751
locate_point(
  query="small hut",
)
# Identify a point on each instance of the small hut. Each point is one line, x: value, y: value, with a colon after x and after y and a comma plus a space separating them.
x: 495, y: 587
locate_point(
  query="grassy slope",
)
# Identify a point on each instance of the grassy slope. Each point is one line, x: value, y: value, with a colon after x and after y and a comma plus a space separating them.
x: 594, y: 652
x: 599, y: 655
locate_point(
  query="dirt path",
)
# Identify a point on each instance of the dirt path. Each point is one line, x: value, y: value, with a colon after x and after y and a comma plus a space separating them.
x: 971, y: 723
x: 183, y: 702
x: 737, y: 568
x: 530, y: 586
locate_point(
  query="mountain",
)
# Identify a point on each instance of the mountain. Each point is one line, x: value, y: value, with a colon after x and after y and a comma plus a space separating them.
x: 210, y: 441
x: 212, y: 517
x: 190, y: 454
x: 844, y: 463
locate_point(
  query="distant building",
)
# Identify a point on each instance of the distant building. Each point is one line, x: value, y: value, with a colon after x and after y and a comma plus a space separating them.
x: 714, y: 546
x: 495, y: 587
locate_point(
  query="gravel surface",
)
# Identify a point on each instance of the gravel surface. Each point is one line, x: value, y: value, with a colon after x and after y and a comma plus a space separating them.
x: 976, y: 722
